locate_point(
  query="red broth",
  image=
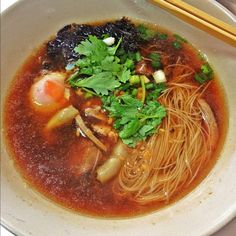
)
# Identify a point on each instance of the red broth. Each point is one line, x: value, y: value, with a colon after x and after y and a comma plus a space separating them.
x: 45, y: 160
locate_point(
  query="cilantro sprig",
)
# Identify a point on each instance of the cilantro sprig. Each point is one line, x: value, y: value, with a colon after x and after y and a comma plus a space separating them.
x: 100, y: 66
x: 133, y: 120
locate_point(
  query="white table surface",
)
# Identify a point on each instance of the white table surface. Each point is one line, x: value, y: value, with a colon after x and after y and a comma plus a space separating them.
x: 230, y: 228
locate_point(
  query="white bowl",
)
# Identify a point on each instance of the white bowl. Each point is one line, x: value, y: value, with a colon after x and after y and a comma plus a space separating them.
x: 207, y: 208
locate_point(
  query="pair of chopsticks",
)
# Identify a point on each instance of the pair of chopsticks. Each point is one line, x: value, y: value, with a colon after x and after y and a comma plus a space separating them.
x: 200, y: 19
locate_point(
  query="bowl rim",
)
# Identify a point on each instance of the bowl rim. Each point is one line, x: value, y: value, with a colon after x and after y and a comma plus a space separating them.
x: 230, y: 14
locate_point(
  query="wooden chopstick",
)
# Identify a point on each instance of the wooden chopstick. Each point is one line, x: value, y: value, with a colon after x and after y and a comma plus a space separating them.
x: 200, y: 19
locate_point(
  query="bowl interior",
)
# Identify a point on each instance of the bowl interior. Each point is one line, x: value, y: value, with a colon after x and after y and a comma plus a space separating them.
x: 29, y: 23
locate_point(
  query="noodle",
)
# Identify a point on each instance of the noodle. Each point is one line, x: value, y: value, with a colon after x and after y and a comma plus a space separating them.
x: 171, y: 158
x: 179, y: 72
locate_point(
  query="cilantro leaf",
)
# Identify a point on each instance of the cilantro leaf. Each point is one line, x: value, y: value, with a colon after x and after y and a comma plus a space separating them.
x: 101, y: 83
x: 125, y: 75
x: 130, y: 128
x: 110, y: 63
x: 125, y: 104
x: 129, y: 64
x: 93, y: 48
x: 145, y: 130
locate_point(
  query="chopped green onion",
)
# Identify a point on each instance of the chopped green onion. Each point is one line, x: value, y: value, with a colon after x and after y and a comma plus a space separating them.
x: 143, y: 90
x: 88, y: 95
x: 162, y: 36
x: 180, y: 38
x: 201, y: 78
x: 145, y: 79
x: 134, y: 79
x: 144, y: 32
x: 156, y: 60
x: 205, y: 74
x: 176, y: 44
x: 134, y: 92
x: 159, y: 76
x: 206, y: 69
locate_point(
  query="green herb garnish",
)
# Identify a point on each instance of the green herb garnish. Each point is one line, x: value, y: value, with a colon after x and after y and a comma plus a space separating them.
x: 134, y: 79
x: 134, y: 120
x: 180, y: 38
x: 145, y: 33
x: 105, y: 71
x: 101, y: 83
x: 162, y: 36
x: 176, y: 44
x: 156, y: 91
x: 205, y: 74
x: 101, y: 65
x: 156, y: 60
x: 124, y: 56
